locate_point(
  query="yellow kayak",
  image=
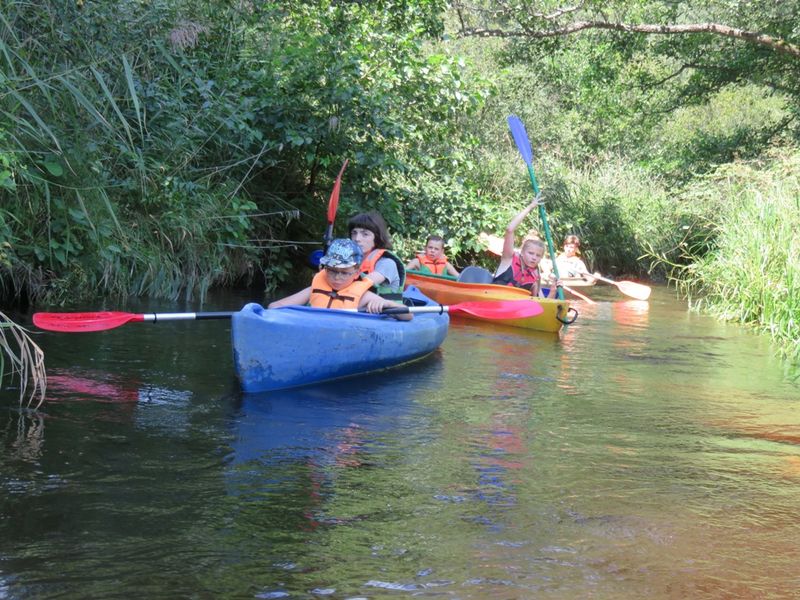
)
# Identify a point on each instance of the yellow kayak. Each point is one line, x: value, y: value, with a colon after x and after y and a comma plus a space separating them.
x: 446, y: 290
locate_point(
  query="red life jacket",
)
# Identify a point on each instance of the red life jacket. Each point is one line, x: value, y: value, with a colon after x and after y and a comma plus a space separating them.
x: 518, y: 276
x: 324, y: 296
x: 436, y: 266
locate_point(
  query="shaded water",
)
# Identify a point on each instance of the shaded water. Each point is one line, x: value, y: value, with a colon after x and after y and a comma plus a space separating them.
x: 647, y: 452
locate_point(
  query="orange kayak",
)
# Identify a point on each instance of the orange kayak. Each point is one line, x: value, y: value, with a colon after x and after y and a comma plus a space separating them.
x: 446, y: 290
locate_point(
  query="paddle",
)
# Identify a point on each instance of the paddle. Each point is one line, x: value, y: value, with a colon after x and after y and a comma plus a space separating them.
x: 524, y: 146
x: 583, y: 297
x: 629, y: 288
x: 101, y: 321
x: 333, y: 204
x: 493, y: 309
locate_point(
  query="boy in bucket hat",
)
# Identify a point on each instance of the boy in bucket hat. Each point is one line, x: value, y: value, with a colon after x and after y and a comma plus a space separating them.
x: 339, y: 284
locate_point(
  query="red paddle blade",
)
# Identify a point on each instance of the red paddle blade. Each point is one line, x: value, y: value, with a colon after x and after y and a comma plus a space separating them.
x: 500, y: 309
x: 634, y: 290
x: 79, y: 322
x: 333, y: 203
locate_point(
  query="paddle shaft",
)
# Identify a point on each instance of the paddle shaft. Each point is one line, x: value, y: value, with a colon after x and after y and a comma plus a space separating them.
x: 611, y: 281
x: 629, y: 288
x: 202, y: 316
x: 524, y: 146
x: 547, y: 235
x: 579, y: 295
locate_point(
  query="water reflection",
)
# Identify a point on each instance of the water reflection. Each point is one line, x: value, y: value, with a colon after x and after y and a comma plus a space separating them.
x: 27, y: 444
x: 327, y: 421
x: 305, y: 436
x: 647, y: 452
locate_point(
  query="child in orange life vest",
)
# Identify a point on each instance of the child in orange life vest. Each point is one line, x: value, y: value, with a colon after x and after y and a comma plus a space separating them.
x: 521, y: 269
x: 434, y: 259
x: 339, y: 285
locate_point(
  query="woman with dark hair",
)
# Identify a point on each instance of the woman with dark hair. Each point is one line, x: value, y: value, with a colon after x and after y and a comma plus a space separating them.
x: 383, y: 268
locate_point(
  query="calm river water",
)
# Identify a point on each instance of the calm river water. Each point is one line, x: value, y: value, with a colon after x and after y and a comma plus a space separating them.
x: 648, y: 452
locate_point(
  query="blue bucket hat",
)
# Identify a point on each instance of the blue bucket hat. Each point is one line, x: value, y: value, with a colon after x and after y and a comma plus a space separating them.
x: 342, y: 253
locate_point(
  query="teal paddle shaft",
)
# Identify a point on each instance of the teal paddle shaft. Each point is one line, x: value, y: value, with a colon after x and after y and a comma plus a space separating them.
x: 546, y: 227
x: 524, y: 146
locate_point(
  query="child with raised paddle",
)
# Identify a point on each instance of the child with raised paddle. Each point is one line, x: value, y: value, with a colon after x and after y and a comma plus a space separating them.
x: 433, y: 260
x: 339, y: 284
x: 521, y: 269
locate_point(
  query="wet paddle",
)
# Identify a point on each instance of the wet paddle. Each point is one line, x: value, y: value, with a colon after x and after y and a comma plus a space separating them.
x: 629, y: 288
x: 524, y: 146
x: 101, y: 321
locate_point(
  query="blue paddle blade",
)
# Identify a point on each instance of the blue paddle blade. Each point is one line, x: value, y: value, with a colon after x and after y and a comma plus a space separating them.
x: 315, y: 257
x: 520, y: 138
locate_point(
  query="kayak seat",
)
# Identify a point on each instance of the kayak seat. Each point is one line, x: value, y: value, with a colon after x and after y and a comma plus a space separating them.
x: 475, y: 275
x: 414, y: 301
x: 413, y: 297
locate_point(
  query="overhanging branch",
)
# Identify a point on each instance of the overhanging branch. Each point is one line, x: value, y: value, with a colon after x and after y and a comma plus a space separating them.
x: 778, y: 45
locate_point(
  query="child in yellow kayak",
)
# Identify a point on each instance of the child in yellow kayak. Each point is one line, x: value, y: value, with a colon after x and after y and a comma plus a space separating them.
x: 569, y: 262
x: 521, y: 269
x: 433, y: 260
x: 339, y: 284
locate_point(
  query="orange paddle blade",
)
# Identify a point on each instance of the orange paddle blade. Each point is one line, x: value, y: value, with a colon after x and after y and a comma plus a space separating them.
x: 634, y: 290
x: 493, y: 243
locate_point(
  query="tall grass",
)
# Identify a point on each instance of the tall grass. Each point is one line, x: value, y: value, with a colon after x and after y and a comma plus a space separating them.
x: 751, y: 271
x: 109, y: 180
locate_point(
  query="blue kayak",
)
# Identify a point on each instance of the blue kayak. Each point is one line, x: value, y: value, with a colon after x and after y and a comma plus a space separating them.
x: 299, y: 345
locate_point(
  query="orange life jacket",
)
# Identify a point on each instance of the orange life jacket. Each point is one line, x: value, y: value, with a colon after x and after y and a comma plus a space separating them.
x: 368, y: 266
x: 324, y: 296
x: 436, y: 266
x: 369, y: 262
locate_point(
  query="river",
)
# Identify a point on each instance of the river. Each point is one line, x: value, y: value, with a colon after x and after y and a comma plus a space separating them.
x: 646, y: 452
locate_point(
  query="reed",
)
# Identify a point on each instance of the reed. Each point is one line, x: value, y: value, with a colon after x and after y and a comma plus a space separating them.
x: 751, y: 272
x: 109, y: 170
x: 21, y: 357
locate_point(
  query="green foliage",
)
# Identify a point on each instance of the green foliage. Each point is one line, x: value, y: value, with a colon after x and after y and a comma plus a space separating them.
x: 21, y: 357
x: 750, y: 272
x: 163, y: 158
x: 618, y: 210
x: 736, y: 123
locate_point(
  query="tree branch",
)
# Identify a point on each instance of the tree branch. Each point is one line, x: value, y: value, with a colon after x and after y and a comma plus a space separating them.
x: 777, y: 44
